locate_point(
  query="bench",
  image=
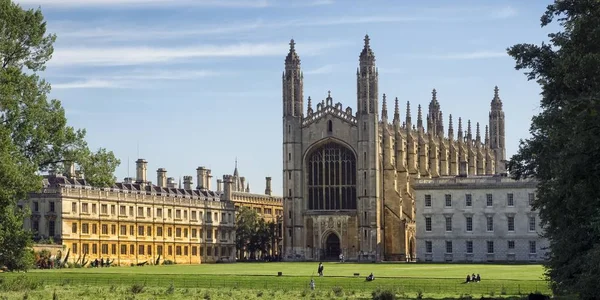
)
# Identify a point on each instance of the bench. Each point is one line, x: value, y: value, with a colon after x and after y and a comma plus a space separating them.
x: 356, y: 274
x: 279, y: 273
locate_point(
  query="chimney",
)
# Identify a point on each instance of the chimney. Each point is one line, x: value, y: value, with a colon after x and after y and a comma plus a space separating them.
x: 187, y: 182
x: 171, y: 183
x: 219, y: 185
x: 161, y: 177
x: 128, y: 180
x: 70, y: 169
x: 463, y: 171
x: 228, y: 191
x: 200, y: 174
x: 141, y: 166
x: 208, y: 179
x: 268, y: 186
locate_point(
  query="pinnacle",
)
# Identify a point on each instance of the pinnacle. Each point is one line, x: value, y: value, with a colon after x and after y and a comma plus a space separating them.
x: 292, y: 44
x: 367, y: 39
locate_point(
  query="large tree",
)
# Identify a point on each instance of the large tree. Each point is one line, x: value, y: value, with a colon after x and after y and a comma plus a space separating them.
x: 34, y: 136
x: 564, y: 150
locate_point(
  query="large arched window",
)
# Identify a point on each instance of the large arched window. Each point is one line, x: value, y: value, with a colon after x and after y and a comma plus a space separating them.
x: 331, y: 178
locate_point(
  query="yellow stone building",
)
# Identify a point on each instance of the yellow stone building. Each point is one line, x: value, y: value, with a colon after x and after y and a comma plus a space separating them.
x: 135, y: 221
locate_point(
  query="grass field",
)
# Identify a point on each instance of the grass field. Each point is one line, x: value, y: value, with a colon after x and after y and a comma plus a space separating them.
x: 260, y: 280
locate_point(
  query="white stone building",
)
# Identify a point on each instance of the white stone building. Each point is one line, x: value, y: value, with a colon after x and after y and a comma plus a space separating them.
x: 478, y: 219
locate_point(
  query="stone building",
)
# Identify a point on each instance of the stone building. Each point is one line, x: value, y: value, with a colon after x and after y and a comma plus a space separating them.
x: 348, y: 176
x: 477, y: 219
x: 136, y: 221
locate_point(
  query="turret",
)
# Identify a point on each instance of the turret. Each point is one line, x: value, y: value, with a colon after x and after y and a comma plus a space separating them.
x: 419, y: 118
x: 497, y: 139
x: 367, y: 81
x: 292, y: 84
x: 408, y: 118
x: 228, y: 188
x: 450, y: 128
x: 268, y: 186
x: 434, y: 117
x: 384, y: 112
x: 396, y: 113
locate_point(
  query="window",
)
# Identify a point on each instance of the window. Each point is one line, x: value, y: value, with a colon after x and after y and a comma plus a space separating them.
x: 123, y: 229
x: 329, y: 126
x: 94, y: 249
x: 131, y: 211
x: 331, y: 179
x: 178, y: 214
x: 93, y: 208
x: 113, y: 229
x: 532, y: 247
x: 469, y: 247
x: 170, y: 250
x: 159, y: 212
x: 51, y: 206
x: 194, y: 250
x: 122, y: 210
x: 209, y: 251
x: 224, y: 217
x: 185, y: 232
x: 510, y: 201
x: 468, y: 200
x: 74, y: 228
x: 141, y: 249
x: 104, y: 249
x: 149, y: 250
x: 36, y: 226
x: 113, y: 211
x: 531, y: 223
x: 194, y: 232
x: 140, y: 230
x: 427, y: 223
x: 210, y: 232
x: 490, y: 223
x: 85, y: 249
x: 177, y: 232
x: 448, y: 198
x: 123, y: 249
x: 448, y: 246
x: 159, y: 231
x: 428, y: 247
x: 490, y: 247
x: 113, y: 249
x: 511, y: 245
x: 104, y: 229
x: 84, y: 208
x: 178, y: 250
x: 531, y: 197
x: 74, y: 207
x: 159, y: 250
x: 85, y: 229
x: 511, y: 223
x: 194, y: 215
x: 131, y: 249
x: 489, y: 200
x: 36, y: 206
x: 140, y: 212
x: 94, y: 229
x: 149, y: 230
x: 216, y: 219
x: 131, y: 230
x: 74, y: 248
x: 427, y: 200
x: 104, y: 210
x: 469, y: 224
x: 51, y: 228
x: 185, y: 250
x: 448, y: 223
x: 149, y: 212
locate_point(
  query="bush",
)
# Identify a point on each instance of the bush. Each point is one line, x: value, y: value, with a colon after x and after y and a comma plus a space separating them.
x: 170, y: 290
x: 338, y: 291
x: 383, y: 295
x: 137, y: 288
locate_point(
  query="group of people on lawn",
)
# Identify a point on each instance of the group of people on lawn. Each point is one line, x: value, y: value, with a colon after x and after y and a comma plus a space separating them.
x: 473, y: 278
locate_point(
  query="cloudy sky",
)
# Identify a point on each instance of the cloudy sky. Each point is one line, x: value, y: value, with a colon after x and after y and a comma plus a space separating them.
x: 188, y: 83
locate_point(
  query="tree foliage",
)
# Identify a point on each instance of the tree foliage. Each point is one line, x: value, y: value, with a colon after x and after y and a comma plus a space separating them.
x: 564, y: 150
x: 253, y: 233
x: 34, y: 135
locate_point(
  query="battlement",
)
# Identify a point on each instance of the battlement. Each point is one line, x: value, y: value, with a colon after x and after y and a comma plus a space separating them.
x: 327, y: 107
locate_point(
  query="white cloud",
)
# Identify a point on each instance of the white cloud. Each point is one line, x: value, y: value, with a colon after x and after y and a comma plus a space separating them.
x: 87, y: 84
x: 470, y: 55
x: 326, y: 69
x: 127, y: 56
x: 137, y: 3
x: 504, y: 13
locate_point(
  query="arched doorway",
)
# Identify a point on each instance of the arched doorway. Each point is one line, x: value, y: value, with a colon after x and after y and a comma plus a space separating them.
x: 332, y: 246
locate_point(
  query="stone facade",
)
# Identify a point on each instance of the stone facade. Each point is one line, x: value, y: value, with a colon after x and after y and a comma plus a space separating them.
x: 477, y: 219
x: 348, y: 177
x: 136, y: 221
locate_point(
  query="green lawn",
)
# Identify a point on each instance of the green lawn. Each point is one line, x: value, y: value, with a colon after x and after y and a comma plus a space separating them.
x: 432, y: 280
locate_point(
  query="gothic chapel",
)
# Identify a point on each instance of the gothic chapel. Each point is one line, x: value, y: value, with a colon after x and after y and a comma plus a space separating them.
x: 348, y: 176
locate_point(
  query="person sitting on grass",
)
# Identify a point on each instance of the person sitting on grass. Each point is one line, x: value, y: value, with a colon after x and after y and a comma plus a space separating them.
x: 468, y: 279
x: 312, y: 284
x: 371, y: 277
x: 478, y: 279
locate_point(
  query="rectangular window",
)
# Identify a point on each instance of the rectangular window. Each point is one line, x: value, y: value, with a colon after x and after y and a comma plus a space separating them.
x: 93, y: 208
x: 448, y: 246
x: 74, y: 248
x: 85, y: 229
x: 511, y: 223
x: 194, y: 215
x: 51, y: 228
x: 194, y: 232
x: 85, y: 249
x: 510, y: 201
x: 427, y: 223
x: 94, y: 249
x: 177, y: 232
x: 159, y: 212
x: 104, y: 229
x: 123, y: 229
x: 448, y: 223
x: 185, y: 232
x: 113, y: 249
x: 511, y: 245
x: 185, y: 250
x: 74, y: 207
x: 131, y: 211
x: 149, y: 230
x: 149, y: 249
x: 113, y: 211
x: 468, y: 200
x: 170, y: 250
x: 469, y: 224
x: 448, y: 198
x: 489, y: 200
x: 51, y: 206
x: 185, y: 214
x: 94, y: 229
x: 149, y: 212
x: 531, y: 197
x: 122, y: 210
x: 532, y: 247
x: 74, y: 228
x: 141, y: 249
x: 123, y: 249
x: 36, y: 206
x: 194, y: 250
x: 531, y: 223
x: 224, y: 217
x: 427, y: 200
x: 178, y: 214
x: 490, y: 223
x: 104, y: 249
x: 158, y: 231
x: 104, y: 210
x: 131, y: 230
x: 209, y: 234
x: 169, y: 213
x: 490, y: 247
x: 113, y: 229
x: 132, y: 249
x: 469, y: 247
x: 428, y: 247
x: 178, y: 250
x: 140, y: 230
x: 159, y: 250
x: 84, y: 208
x: 140, y: 212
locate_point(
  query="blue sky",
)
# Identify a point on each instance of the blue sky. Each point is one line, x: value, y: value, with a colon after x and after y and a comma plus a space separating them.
x: 198, y: 83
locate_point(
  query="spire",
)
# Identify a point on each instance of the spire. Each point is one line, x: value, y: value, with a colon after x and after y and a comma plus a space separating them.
x: 469, y: 135
x: 487, y: 137
x: 367, y: 54
x: 384, y: 113
x: 292, y: 57
x: 235, y: 171
x: 460, y: 132
x: 396, y: 111
x: 408, y: 118
x: 419, y: 117
x: 450, y: 127
x: 179, y: 182
x: 496, y: 102
x: 309, y: 110
x: 477, y: 133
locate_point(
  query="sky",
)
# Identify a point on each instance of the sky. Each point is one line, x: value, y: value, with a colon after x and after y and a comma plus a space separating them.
x: 188, y: 83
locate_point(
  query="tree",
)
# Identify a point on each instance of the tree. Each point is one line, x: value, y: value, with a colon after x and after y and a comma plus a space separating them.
x: 33, y: 130
x: 564, y: 150
x: 253, y: 233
